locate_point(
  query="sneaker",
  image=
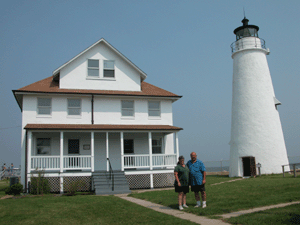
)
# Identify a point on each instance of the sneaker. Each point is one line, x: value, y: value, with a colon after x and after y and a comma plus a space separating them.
x: 204, y: 205
x: 180, y: 207
x: 185, y: 206
x: 197, y: 206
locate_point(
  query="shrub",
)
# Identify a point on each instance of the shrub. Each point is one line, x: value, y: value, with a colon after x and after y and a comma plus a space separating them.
x: 15, y: 189
x: 74, y: 187
x: 39, y: 184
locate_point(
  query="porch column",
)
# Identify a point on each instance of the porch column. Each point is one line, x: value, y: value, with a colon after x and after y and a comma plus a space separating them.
x: 61, y: 149
x: 92, y: 151
x: 150, y: 149
x: 29, y: 149
x: 122, y: 150
x: 107, y: 153
x: 177, y: 145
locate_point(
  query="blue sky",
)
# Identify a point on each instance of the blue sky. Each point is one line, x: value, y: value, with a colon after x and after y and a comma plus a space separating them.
x: 183, y: 47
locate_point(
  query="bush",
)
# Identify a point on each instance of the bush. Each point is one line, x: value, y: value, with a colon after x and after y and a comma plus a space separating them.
x: 74, y: 187
x: 39, y: 185
x: 15, y: 189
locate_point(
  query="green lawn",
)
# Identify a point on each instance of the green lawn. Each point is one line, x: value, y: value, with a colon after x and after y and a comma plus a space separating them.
x: 286, y: 215
x: 79, y: 210
x: 223, y: 198
x: 3, y: 184
x: 234, y: 196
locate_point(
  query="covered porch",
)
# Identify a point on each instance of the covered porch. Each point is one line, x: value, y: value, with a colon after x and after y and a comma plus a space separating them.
x: 87, y: 148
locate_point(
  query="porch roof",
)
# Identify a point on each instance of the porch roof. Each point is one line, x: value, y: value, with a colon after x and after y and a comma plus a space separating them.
x: 100, y: 127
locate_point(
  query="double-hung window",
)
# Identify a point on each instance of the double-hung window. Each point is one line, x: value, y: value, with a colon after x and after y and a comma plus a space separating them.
x: 74, y: 107
x: 156, y: 145
x: 43, y: 146
x: 44, y: 106
x: 96, y: 70
x: 154, y: 108
x: 127, y: 108
x: 108, y: 68
x: 93, y: 68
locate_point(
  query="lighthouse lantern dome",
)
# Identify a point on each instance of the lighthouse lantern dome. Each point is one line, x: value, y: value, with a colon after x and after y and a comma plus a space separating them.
x: 246, y: 30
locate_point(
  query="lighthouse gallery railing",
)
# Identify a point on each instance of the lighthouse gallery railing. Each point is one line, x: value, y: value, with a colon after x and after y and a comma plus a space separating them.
x: 248, y: 42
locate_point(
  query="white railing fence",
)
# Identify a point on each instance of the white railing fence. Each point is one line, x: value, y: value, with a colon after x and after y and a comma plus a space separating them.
x: 136, y: 161
x: 77, y: 162
x: 53, y: 162
x: 159, y: 160
x: 142, y: 161
x: 45, y: 162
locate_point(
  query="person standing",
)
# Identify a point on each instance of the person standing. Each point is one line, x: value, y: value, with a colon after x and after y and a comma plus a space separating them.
x: 181, y: 173
x: 197, y: 179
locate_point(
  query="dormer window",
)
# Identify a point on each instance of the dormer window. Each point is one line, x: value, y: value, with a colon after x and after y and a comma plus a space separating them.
x: 96, y: 70
x: 109, y: 68
x: 93, y: 67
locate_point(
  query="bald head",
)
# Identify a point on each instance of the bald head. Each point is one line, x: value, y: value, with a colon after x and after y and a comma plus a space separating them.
x: 193, y: 157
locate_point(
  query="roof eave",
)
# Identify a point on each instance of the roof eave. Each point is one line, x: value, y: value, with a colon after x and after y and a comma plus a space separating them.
x: 18, y: 99
x: 21, y: 92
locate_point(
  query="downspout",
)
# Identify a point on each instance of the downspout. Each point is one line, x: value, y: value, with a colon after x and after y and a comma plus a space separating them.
x: 26, y: 162
x: 92, y: 103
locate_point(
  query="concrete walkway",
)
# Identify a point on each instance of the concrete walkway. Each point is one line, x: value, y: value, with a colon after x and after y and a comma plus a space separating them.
x: 167, y: 210
x: 239, y: 213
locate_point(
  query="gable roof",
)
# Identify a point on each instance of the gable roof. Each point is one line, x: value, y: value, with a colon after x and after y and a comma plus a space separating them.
x: 50, y: 86
x: 102, y: 40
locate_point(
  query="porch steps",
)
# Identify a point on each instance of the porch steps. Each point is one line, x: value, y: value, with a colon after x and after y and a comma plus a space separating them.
x: 103, y: 185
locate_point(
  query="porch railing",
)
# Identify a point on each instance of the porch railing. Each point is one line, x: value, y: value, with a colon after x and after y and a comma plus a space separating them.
x: 142, y: 161
x: 77, y: 162
x: 84, y: 162
x: 45, y: 162
x: 53, y: 162
x: 136, y: 161
x: 159, y: 160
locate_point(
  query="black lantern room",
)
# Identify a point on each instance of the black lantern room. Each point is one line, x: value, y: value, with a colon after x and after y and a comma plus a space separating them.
x: 246, y: 30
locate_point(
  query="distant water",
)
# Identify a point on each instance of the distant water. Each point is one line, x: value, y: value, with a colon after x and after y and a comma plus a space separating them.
x: 217, y: 169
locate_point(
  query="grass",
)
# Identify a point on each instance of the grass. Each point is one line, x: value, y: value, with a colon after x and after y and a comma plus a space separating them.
x: 3, y: 185
x: 79, y: 210
x: 234, y: 196
x: 287, y: 215
x: 223, y: 198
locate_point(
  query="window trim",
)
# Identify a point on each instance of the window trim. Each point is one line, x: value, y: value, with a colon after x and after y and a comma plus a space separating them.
x: 161, y: 144
x: 154, y: 117
x: 78, y: 146
x: 129, y: 139
x: 133, y: 109
x: 36, y: 146
x: 101, y: 70
x: 93, y: 77
x: 108, y: 69
x: 37, y: 107
x: 74, y: 116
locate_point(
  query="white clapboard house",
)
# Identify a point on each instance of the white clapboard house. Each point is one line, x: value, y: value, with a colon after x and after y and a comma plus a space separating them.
x: 96, y: 119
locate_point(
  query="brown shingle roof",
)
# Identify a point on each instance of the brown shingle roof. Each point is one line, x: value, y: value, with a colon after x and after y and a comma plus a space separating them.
x: 99, y: 127
x: 48, y: 85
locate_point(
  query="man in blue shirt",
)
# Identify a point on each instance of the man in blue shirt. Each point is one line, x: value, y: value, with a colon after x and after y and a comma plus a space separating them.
x: 197, y: 179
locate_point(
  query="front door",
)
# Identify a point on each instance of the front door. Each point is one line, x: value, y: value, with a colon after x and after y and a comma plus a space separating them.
x: 73, y: 148
x: 249, y: 166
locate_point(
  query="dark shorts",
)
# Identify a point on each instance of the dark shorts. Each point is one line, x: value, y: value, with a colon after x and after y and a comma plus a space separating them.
x: 184, y: 189
x: 198, y: 188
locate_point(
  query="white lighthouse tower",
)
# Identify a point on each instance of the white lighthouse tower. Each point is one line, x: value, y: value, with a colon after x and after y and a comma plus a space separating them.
x: 256, y: 132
